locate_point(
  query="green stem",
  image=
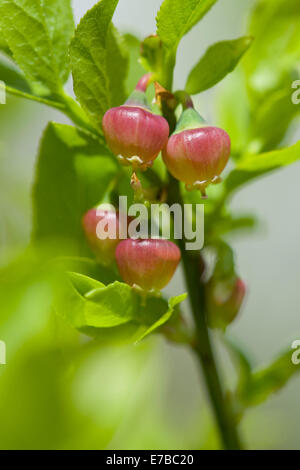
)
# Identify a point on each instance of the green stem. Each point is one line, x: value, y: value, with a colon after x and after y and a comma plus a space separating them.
x: 64, y: 103
x: 168, y: 69
x: 204, y: 353
x: 184, y: 99
x: 38, y: 99
x: 202, y: 347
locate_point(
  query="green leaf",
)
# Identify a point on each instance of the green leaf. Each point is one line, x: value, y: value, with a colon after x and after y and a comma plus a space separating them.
x: 261, y: 384
x: 11, y: 76
x: 89, y: 60
x: 117, y: 66
x: 84, y: 284
x: 254, y: 387
x: 175, y: 19
x: 242, y: 362
x: 60, y: 24
x: 260, y: 118
x: 227, y: 223
x: 72, y: 174
x: 84, y: 302
x: 172, y: 304
x: 219, y: 60
x: 272, y: 120
x: 270, y: 160
x: 38, y: 33
x: 253, y: 166
x: 4, y: 46
x: 264, y: 128
x: 234, y: 114
x: 149, y: 312
x: 276, y: 50
x: 225, y: 262
x: 89, y: 305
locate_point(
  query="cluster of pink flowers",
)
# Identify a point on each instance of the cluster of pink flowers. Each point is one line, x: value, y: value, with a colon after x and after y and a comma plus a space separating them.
x: 195, y: 154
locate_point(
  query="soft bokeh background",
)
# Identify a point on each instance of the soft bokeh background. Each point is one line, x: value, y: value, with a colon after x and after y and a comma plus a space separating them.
x: 146, y: 396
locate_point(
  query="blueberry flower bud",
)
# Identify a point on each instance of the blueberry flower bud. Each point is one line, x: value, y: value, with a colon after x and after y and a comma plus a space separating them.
x: 196, y: 153
x: 149, y: 264
x: 224, y: 301
x: 103, y: 248
x: 133, y: 132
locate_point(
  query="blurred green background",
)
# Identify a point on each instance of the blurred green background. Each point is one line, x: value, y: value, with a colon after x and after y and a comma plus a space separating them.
x: 60, y: 391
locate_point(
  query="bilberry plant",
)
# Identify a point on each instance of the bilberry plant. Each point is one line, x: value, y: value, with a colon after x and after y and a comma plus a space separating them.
x: 131, y: 134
